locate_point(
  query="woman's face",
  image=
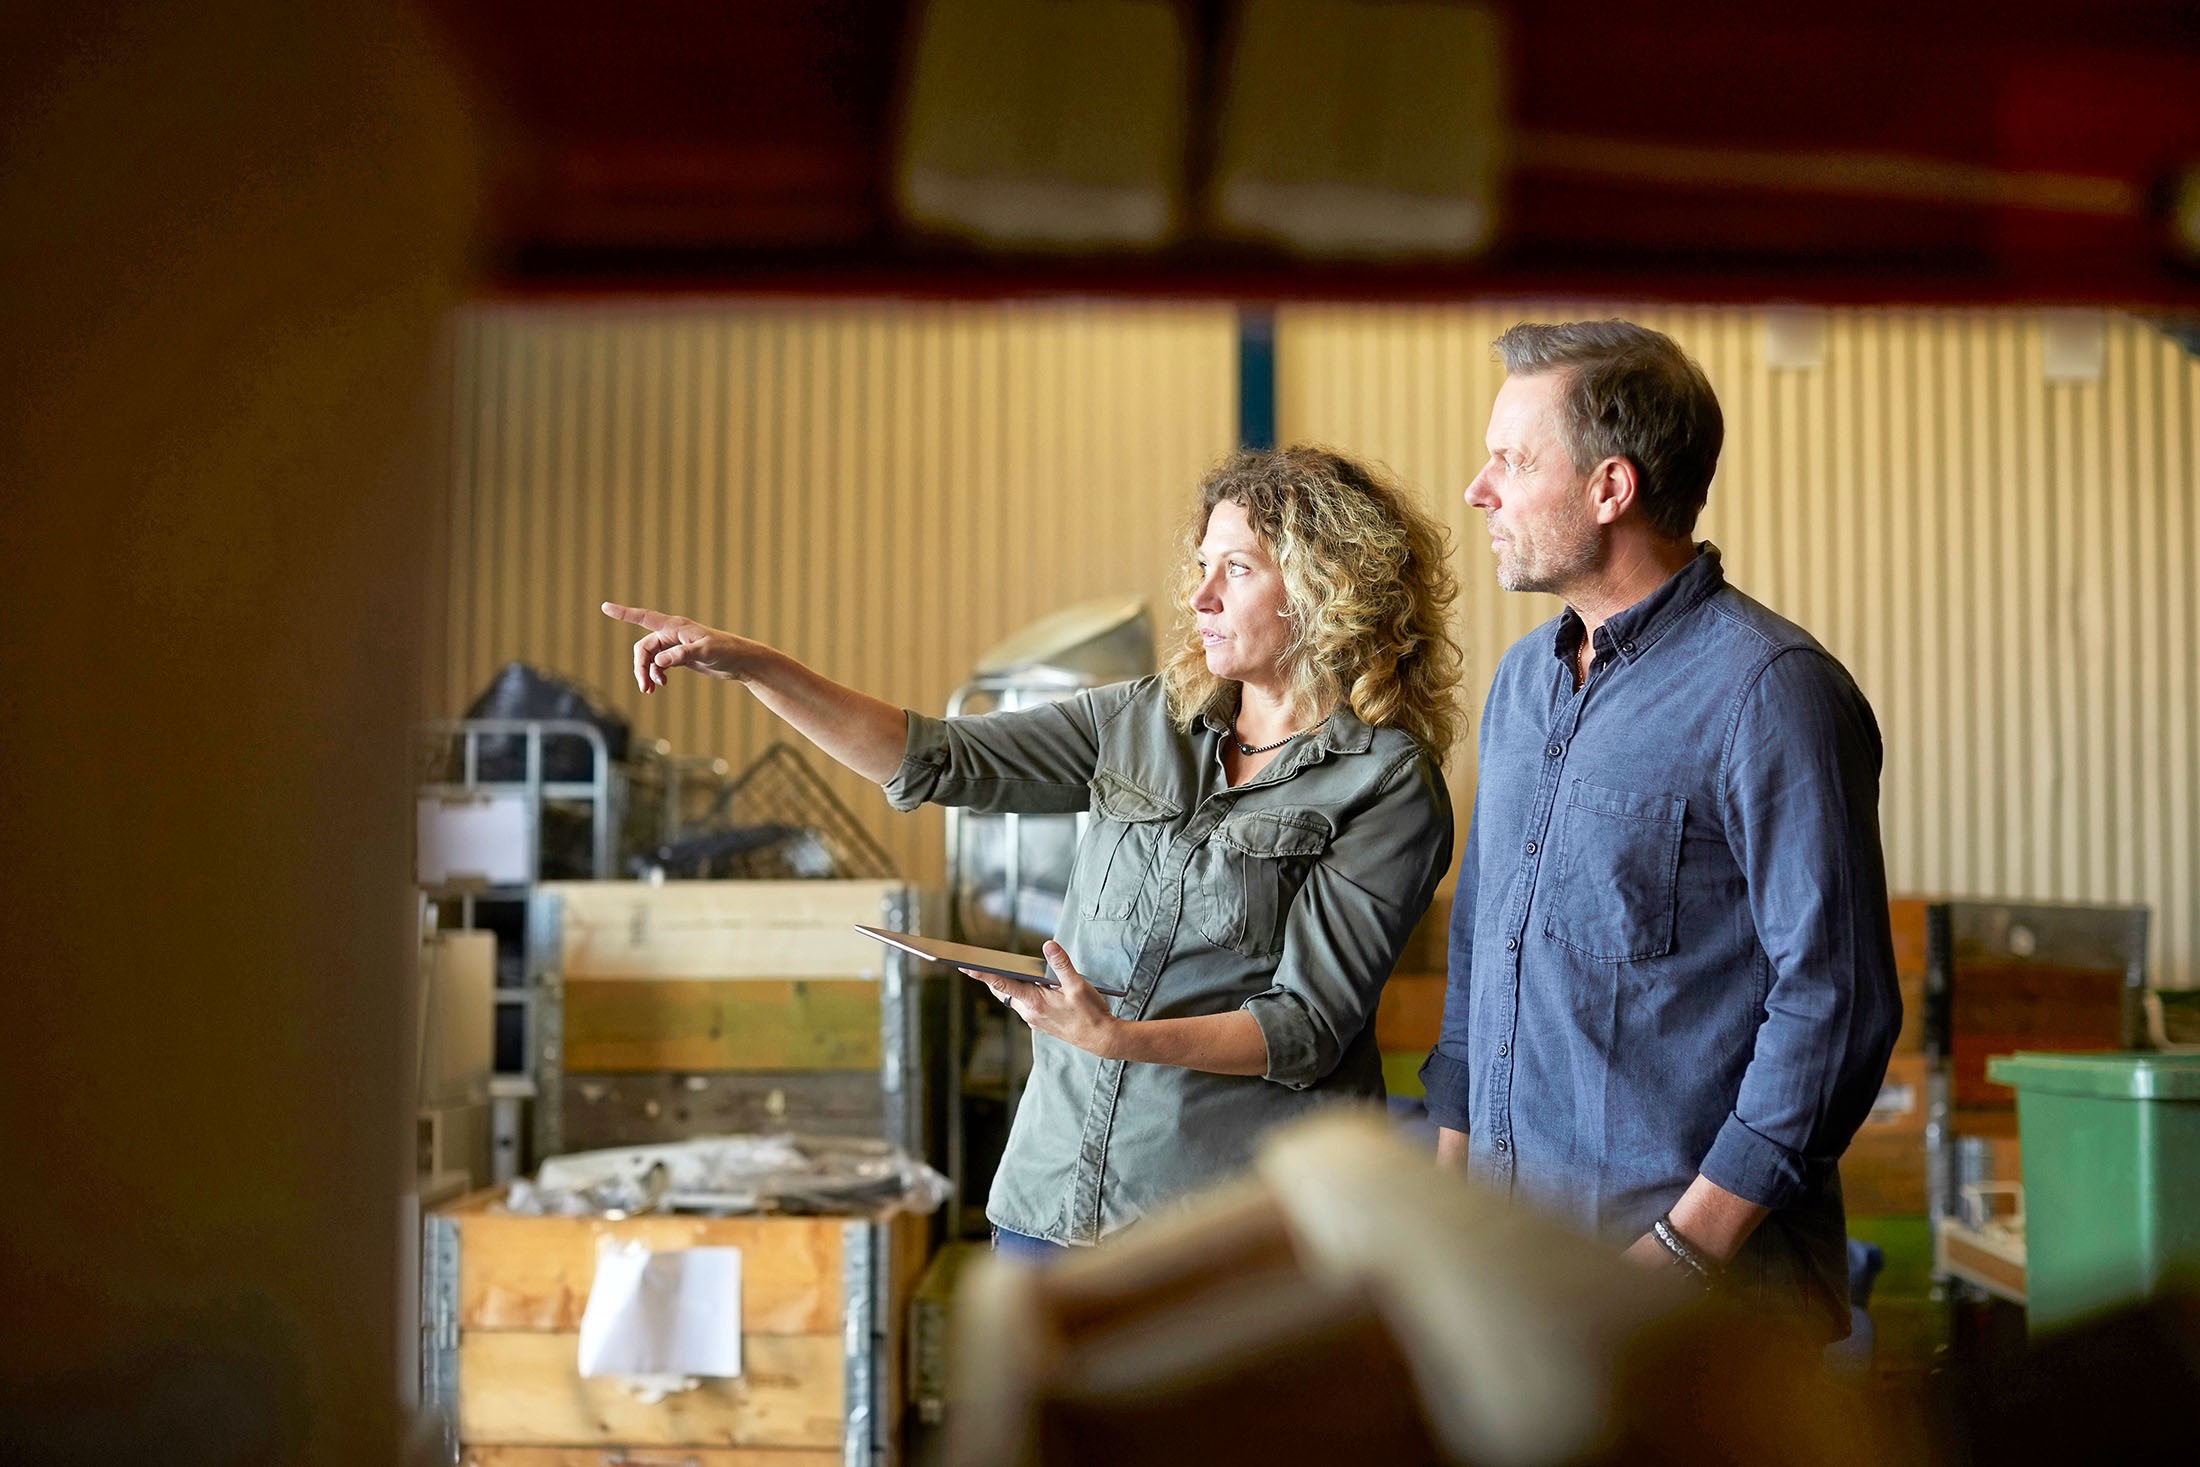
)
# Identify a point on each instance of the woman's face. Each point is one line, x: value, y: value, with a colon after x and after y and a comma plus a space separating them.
x: 1239, y: 601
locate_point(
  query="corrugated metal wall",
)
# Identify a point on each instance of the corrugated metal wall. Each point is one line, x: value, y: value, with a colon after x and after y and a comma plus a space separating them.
x: 2006, y: 564
x: 884, y: 490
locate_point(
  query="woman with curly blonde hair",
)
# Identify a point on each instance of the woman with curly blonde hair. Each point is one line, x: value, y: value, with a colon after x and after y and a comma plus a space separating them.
x: 1269, y: 820
x: 1368, y: 585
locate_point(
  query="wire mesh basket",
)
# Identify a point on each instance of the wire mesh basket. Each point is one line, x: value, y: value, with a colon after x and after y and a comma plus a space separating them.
x: 775, y: 820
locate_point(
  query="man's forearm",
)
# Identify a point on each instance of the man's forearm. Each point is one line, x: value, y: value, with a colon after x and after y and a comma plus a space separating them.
x: 1709, y: 1219
x: 1451, y: 1147
x: 1714, y: 1219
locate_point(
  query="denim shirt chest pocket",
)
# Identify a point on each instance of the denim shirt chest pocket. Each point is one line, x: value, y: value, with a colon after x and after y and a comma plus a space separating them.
x: 1242, y: 883
x: 1120, y: 852
x: 1614, y: 892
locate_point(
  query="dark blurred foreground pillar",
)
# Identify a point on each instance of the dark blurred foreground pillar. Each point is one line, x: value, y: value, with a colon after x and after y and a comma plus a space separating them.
x: 227, y: 234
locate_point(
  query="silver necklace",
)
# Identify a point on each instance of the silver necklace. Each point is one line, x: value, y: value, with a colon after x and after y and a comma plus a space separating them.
x: 1245, y: 748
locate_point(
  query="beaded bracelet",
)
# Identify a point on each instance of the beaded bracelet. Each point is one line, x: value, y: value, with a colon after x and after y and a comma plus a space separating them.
x: 1685, y: 1254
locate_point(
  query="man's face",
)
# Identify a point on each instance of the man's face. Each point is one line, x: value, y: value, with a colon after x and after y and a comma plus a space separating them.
x: 1543, y: 528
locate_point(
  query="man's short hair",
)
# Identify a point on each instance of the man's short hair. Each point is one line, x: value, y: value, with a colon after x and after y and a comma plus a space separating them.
x: 1634, y: 394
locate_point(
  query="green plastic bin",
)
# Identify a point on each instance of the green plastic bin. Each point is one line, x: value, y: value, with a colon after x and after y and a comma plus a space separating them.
x: 2111, y: 1175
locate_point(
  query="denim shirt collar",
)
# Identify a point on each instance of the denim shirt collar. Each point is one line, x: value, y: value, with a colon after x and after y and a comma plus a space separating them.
x: 1636, y: 630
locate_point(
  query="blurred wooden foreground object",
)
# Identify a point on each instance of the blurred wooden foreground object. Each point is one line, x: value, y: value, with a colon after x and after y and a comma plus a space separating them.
x: 1351, y: 1302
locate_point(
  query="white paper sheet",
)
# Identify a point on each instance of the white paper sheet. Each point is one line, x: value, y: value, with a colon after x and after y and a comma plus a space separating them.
x: 674, y: 1313
x: 486, y: 837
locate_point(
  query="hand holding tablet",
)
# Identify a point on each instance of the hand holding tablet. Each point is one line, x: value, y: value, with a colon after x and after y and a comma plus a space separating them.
x: 1022, y: 967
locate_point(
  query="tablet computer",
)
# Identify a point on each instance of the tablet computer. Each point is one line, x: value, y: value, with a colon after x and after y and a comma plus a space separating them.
x: 1020, y: 966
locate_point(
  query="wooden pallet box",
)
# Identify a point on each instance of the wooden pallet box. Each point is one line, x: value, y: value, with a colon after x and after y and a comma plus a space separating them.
x: 2004, y: 977
x: 710, y: 1007
x: 1979, y: 979
x: 1883, y: 1170
x: 824, y: 1305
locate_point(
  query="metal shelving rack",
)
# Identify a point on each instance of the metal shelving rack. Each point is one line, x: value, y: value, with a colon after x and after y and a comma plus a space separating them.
x: 604, y: 798
x: 604, y: 794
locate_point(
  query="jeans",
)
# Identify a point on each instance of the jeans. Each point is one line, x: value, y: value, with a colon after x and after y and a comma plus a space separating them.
x: 1023, y: 1247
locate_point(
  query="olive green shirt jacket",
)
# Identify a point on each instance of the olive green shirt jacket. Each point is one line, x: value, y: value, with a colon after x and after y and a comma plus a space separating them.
x: 1289, y: 896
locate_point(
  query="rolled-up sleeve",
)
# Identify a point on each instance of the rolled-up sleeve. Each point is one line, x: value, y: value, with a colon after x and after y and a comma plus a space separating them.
x: 1030, y: 760
x: 1801, y: 791
x: 1445, y: 1073
x: 1350, y: 921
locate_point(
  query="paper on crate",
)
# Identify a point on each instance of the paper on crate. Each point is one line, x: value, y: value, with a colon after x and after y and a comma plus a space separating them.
x: 658, y: 1313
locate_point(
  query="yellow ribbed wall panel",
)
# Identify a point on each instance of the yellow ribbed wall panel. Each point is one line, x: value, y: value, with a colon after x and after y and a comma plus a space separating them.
x: 2007, y: 564
x: 885, y: 490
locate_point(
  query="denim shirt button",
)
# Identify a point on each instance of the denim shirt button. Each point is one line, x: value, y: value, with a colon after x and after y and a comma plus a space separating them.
x: 1531, y: 848
x: 1503, y: 1050
x: 1512, y: 944
x: 1503, y: 1144
x: 1555, y: 750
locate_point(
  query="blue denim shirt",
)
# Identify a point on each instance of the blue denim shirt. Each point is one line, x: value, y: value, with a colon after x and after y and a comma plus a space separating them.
x: 1669, y: 948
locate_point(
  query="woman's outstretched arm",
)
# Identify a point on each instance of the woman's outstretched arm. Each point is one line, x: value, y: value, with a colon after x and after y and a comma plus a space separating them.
x: 855, y: 728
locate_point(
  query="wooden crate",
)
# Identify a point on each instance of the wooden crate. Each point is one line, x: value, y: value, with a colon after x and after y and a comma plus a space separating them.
x: 1410, y: 1017
x: 2009, y: 976
x: 1979, y: 979
x: 1883, y: 1171
x: 1428, y: 946
x: 931, y: 1327
x: 824, y: 1304
x: 699, y: 1007
x: 2006, y: 977
x: 1906, y: 917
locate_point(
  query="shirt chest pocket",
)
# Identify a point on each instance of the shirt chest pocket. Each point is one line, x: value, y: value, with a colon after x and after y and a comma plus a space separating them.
x: 1241, y: 885
x: 1131, y: 825
x: 1614, y: 893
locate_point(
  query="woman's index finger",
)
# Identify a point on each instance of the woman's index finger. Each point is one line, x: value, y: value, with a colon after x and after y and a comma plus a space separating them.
x: 656, y: 621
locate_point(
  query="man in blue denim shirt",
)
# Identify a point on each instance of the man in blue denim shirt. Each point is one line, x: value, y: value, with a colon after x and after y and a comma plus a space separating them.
x: 1672, y: 992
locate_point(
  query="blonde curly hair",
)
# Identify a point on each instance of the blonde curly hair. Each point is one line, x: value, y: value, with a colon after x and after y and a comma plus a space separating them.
x: 1367, y: 573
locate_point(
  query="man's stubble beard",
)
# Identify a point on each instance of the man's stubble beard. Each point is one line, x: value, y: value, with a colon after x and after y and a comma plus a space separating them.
x: 1569, y: 553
